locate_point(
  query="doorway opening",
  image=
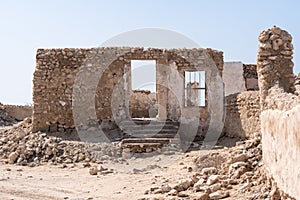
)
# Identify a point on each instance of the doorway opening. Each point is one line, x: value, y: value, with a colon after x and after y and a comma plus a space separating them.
x: 143, y: 89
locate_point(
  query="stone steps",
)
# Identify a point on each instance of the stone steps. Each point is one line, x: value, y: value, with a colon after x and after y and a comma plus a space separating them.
x: 147, y: 135
x: 146, y: 140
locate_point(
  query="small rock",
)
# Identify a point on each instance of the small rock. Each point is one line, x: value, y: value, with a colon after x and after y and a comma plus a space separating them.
x: 183, y: 184
x: 239, y: 172
x: 199, y: 183
x: 12, y: 157
x: 213, y: 179
x: 239, y: 158
x: 86, y: 164
x: 215, y: 187
x: 172, y: 192
x: 201, y: 196
x: 165, y: 188
x: 209, y: 170
x: 158, y: 191
x: 93, y: 171
x: 102, y: 168
x: 182, y: 194
x: 218, y: 195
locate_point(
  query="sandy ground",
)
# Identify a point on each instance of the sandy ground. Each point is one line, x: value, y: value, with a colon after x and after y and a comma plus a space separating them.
x: 75, y: 182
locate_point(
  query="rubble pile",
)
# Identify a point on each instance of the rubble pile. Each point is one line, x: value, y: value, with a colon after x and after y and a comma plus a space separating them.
x: 19, y: 145
x: 231, y: 173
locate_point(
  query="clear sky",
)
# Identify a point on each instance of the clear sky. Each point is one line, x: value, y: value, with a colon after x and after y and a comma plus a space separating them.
x: 230, y: 26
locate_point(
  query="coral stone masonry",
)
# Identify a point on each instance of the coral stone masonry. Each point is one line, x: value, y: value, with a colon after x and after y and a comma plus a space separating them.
x: 274, y: 61
x: 99, y: 78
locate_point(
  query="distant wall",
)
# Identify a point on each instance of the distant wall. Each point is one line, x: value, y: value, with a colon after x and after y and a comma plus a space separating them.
x: 142, y: 104
x: 233, y: 78
x: 250, y: 77
x: 242, y: 114
x: 239, y: 77
x: 18, y: 112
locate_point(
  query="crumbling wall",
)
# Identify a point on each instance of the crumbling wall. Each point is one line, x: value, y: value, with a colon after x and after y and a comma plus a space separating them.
x: 5, y: 118
x: 18, y: 112
x: 274, y: 61
x: 297, y: 84
x: 242, y: 114
x: 143, y: 104
x: 239, y: 77
x: 96, y: 83
x: 280, y: 109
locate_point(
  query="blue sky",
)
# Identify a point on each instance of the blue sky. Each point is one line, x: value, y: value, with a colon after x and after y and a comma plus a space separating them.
x: 230, y: 26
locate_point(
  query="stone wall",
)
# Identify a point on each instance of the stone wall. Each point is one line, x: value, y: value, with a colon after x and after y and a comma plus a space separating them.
x: 239, y: 77
x: 242, y: 115
x: 18, y: 112
x: 233, y: 77
x: 93, y: 85
x: 274, y: 61
x: 250, y: 77
x: 280, y: 110
x: 281, y: 140
x: 297, y: 84
x: 143, y: 104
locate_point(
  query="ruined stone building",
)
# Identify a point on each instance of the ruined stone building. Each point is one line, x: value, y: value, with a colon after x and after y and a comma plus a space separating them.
x: 84, y: 87
x: 79, y: 89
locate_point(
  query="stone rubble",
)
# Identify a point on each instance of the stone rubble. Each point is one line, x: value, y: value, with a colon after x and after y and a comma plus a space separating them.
x: 234, y: 173
x: 19, y: 145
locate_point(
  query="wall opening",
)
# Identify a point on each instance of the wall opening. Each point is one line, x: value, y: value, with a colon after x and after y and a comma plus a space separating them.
x: 143, y: 89
x: 194, y: 88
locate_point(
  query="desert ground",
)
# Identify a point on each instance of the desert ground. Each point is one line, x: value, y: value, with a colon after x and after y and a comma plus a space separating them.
x: 231, y: 170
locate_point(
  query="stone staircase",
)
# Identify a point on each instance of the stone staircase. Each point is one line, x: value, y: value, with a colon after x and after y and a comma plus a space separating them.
x: 146, y: 135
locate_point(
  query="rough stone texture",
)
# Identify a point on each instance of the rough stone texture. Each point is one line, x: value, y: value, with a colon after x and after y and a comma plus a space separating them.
x: 233, y: 78
x: 297, y: 84
x: 5, y: 118
x: 58, y: 69
x: 236, y: 172
x: 281, y: 147
x: 280, y: 110
x: 142, y: 104
x: 19, y: 145
x: 18, y: 112
x: 239, y: 77
x: 250, y: 76
x: 274, y: 61
x: 242, y: 114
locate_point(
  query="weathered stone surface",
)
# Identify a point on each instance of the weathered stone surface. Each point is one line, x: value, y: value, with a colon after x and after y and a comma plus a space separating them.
x: 236, y: 84
x: 279, y: 71
x: 280, y: 112
x: 218, y: 195
x: 12, y: 157
x: 62, y: 74
x: 213, y: 179
x: 19, y: 145
x: 242, y: 114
